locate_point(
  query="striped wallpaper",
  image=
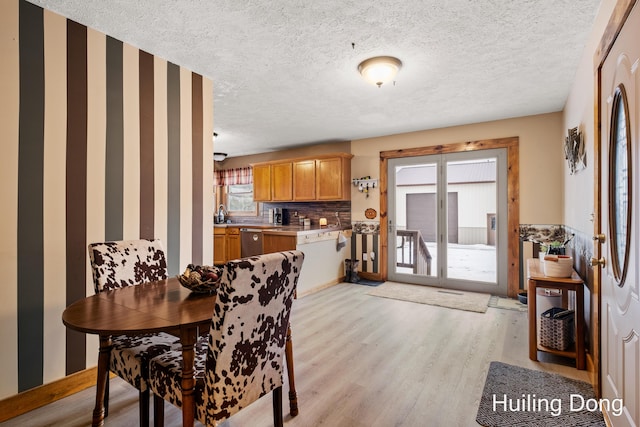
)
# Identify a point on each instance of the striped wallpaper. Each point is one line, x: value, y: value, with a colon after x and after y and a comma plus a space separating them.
x: 100, y: 141
x: 366, y: 243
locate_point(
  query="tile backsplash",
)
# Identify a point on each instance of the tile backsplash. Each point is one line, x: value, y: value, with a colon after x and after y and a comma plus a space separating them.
x: 311, y: 210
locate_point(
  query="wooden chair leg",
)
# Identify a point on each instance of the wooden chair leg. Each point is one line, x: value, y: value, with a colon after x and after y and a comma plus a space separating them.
x: 106, y: 396
x: 143, y: 405
x: 277, y: 407
x: 293, y: 395
x: 158, y: 411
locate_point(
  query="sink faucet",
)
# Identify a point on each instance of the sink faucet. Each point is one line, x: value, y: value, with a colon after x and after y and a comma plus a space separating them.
x: 222, y: 212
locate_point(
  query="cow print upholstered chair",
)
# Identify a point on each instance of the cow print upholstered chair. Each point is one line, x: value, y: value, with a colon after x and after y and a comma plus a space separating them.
x: 129, y: 263
x: 243, y: 360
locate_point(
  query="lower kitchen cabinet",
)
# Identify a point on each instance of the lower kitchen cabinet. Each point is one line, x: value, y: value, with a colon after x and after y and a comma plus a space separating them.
x: 226, y: 244
x: 278, y: 243
x: 219, y: 245
x: 233, y: 243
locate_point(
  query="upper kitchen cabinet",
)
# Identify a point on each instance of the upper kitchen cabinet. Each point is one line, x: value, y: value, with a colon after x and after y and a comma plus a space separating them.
x: 326, y: 178
x: 333, y: 178
x: 262, y: 182
x: 304, y: 180
x: 281, y: 181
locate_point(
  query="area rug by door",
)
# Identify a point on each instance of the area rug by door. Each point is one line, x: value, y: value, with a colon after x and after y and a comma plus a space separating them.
x: 506, y: 303
x: 461, y: 300
x: 367, y: 282
x: 516, y: 396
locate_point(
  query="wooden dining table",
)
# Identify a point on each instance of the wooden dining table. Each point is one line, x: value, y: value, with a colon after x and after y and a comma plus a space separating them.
x: 161, y: 306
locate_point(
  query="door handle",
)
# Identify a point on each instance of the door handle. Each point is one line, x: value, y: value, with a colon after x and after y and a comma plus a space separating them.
x: 600, y: 238
x: 595, y: 262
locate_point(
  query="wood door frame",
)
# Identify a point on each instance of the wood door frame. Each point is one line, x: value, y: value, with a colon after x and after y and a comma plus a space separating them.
x: 614, y: 26
x: 513, y: 199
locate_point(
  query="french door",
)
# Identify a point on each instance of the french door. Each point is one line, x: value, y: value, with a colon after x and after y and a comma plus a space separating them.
x: 447, y: 220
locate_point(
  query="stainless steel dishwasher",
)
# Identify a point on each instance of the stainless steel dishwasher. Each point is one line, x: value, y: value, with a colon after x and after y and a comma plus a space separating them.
x: 250, y: 242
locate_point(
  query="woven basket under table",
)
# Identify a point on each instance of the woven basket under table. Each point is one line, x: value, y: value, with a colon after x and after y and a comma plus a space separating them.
x: 556, y: 333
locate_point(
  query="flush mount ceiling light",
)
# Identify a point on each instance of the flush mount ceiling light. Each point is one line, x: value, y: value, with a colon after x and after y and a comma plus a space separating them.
x: 218, y: 157
x: 379, y: 70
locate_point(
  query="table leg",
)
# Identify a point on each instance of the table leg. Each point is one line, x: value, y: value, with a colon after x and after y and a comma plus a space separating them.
x: 188, y: 338
x: 533, y: 321
x: 293, y: 396
x: 104, y: 355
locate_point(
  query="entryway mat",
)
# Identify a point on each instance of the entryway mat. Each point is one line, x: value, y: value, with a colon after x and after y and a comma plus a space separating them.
x: 450, y: 298
x: 367, y: 282
x: 516, y: 396
x: 506, y: 303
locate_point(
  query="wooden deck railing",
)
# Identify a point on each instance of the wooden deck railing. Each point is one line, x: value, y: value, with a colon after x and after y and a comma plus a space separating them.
x: 417, y: 257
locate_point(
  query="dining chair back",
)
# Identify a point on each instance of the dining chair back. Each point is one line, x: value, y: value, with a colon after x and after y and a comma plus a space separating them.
x: 244, y: 358
x: 118, y: 264
x: 126, y: 263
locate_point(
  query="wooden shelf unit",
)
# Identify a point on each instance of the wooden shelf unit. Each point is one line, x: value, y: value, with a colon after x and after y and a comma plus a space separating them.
x: 536, y: 279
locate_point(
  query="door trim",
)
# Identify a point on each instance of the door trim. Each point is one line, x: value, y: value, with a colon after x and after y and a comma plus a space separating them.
x: 513, y: 199
x: 614, y: 26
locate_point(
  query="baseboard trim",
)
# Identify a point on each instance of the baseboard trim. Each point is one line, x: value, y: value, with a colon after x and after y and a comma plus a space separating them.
x: 593, y: 375
x: 319, y: 288
x: 37, y: 397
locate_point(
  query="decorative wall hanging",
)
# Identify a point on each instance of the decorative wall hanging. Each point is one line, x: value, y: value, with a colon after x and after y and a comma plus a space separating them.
x: 370, y: 213
x: 574, y: 151
x: 364, y: 184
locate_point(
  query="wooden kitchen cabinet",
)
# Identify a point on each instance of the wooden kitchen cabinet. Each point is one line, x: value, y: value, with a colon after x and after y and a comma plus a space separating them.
x: 262, y: 182
x: 304, y: 180
x: 278, y: 243
x: 219, y: 245
x: 322, y: 178
x: 226, y: 244
x: 233, y: 243
x: 281, y: 181
x: 332, y: 179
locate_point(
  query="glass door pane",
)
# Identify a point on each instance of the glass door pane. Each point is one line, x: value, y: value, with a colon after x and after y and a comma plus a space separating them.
x: 471, y: 221
x: 416, y: 219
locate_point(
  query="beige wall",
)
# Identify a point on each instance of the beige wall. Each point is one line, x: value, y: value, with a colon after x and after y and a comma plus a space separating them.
x: 579, y: 111
x: 541, y: 161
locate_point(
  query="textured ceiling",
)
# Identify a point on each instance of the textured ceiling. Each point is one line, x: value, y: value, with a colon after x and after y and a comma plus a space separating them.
x: 285, y: 71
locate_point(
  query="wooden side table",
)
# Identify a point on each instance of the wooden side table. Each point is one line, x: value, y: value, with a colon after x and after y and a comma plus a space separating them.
x: 574, y: 283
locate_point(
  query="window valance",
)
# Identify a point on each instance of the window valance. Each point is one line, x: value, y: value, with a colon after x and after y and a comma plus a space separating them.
x: 233, y: 176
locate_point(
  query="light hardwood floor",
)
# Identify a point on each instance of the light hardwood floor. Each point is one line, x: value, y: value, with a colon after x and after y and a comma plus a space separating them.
x: 361, y: 361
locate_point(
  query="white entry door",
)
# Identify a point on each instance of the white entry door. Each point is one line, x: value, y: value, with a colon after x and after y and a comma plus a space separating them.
x: 620, y: 198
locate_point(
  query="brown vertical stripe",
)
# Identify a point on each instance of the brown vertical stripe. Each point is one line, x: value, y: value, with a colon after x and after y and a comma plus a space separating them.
x: 197, y: 167
x: 146, y: 146
x: 76, y: 183
x: 30, y: 276
x: 173, y: 169
x: 114, y: 162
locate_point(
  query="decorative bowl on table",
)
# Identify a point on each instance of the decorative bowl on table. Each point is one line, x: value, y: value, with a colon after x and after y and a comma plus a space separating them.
x: 201, y: 279
x: 558, y: 266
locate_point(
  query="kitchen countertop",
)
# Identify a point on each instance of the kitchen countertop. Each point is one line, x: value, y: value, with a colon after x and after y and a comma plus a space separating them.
x: 290, y: 230
x: 287, y: 230
x: 240, y: 225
